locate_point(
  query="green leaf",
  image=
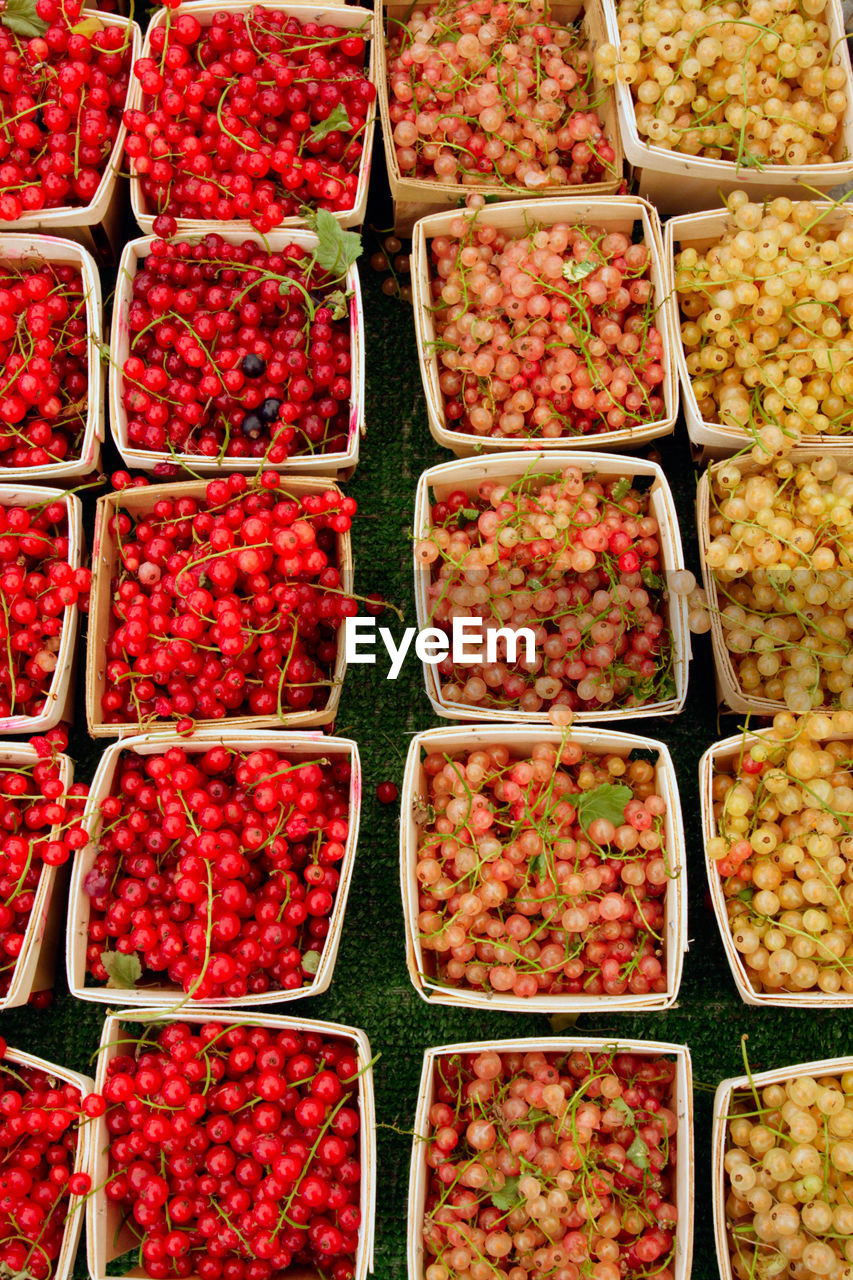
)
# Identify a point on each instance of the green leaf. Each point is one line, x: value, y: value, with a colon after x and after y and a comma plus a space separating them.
x: 336, y: 120
x: 745, y: 895
x: 620, y: 488
x: 311, y: 962
x: 607, y: 801
x: 507, y: 1197
x: 21, y: 17
x: 338, y: 300
x: 124, y: 970
x: 337, y: 250
x: 562, y: 1021
x: 87, y: 27
x: 576, y: 271
x: 638, y: 1153
x: 651, y: 579
x: 469, y: 513
x: 540, y: 866
x: 619, y: 1104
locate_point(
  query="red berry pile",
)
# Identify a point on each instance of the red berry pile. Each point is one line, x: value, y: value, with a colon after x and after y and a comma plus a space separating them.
x: 37, y: 585
x: 39, y: 827
x: 234, y: 1151
x: 578, y: 562
x: 234, y: 353
x: 544, y: 875
x: 246, y: 840
x: 489, y: 92
x: 552, y: 1164
x: 251, y: 117
x: 61, y: 98
x: 228, y: 603
x: 545, y: 332
x: 40, y: 1119
x: 44, y: 357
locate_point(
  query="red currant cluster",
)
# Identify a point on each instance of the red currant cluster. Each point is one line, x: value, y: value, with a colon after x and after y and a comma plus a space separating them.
x: 246, y: 841
x: 262, y: 1133
x: 62, y: 95
x: 37, y: 585
x: 279, y: 383
x: 39, y: 827
x: 251, y: 117
x: 40, y: 1119
x: 228, y: 603
x: 44, y: 354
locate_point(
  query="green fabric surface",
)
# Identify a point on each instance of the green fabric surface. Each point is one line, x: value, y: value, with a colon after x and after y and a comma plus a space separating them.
x: 371, y: 988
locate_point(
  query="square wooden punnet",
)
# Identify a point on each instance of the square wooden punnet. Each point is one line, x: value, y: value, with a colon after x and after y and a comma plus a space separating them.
x: 107, y: 1237
x: 681, y: 1103
x: 465, y: 475
x: 104, y: 564
x: 307, y: 746
x: 613, y: 213
x: 520, y: 740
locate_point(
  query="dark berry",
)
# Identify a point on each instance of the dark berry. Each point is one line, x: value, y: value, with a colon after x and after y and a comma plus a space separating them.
x: 387, y: 792
x: 253, y: 366
x: 269, y: 410
x: 252, y: 425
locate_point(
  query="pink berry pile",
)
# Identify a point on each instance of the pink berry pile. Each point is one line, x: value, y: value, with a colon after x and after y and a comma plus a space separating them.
x: 61, y: 99
x: 262, y: 1128
x: 485, y: 92
x: 544, y: 875
x: 236, y: 352
x: 249, y: 840
x: 574, y: 557
x: 40, y: 1123
x: 39, y: 827
x: 252, y: 117
x: 552, y: 1164
x: 44, y: 357
x: 545, y: 333
x: 225, y: 604
x: 37, y: 585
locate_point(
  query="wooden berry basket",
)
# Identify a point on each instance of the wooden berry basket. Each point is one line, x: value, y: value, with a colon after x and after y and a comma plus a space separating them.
x: 712, y: 440
x: 681, y: 1103
x: 730, y: 695
x: 416, y: 197
x: 98, y: 225
x: 32, y: 250
x: 60, y: 695
x: 348, y: 18
x: 107, y: 1236
x: 614, y: 213
x: 36, y: 965
x: 339, y: 465
x: 305, y: 746
x: 63, y: 1268
x: 723, y: 1099
x: 724, y: 751
x: 520, y: 741
x: 679, y: 183
x: 104, y: 562
x: 466, y: 474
